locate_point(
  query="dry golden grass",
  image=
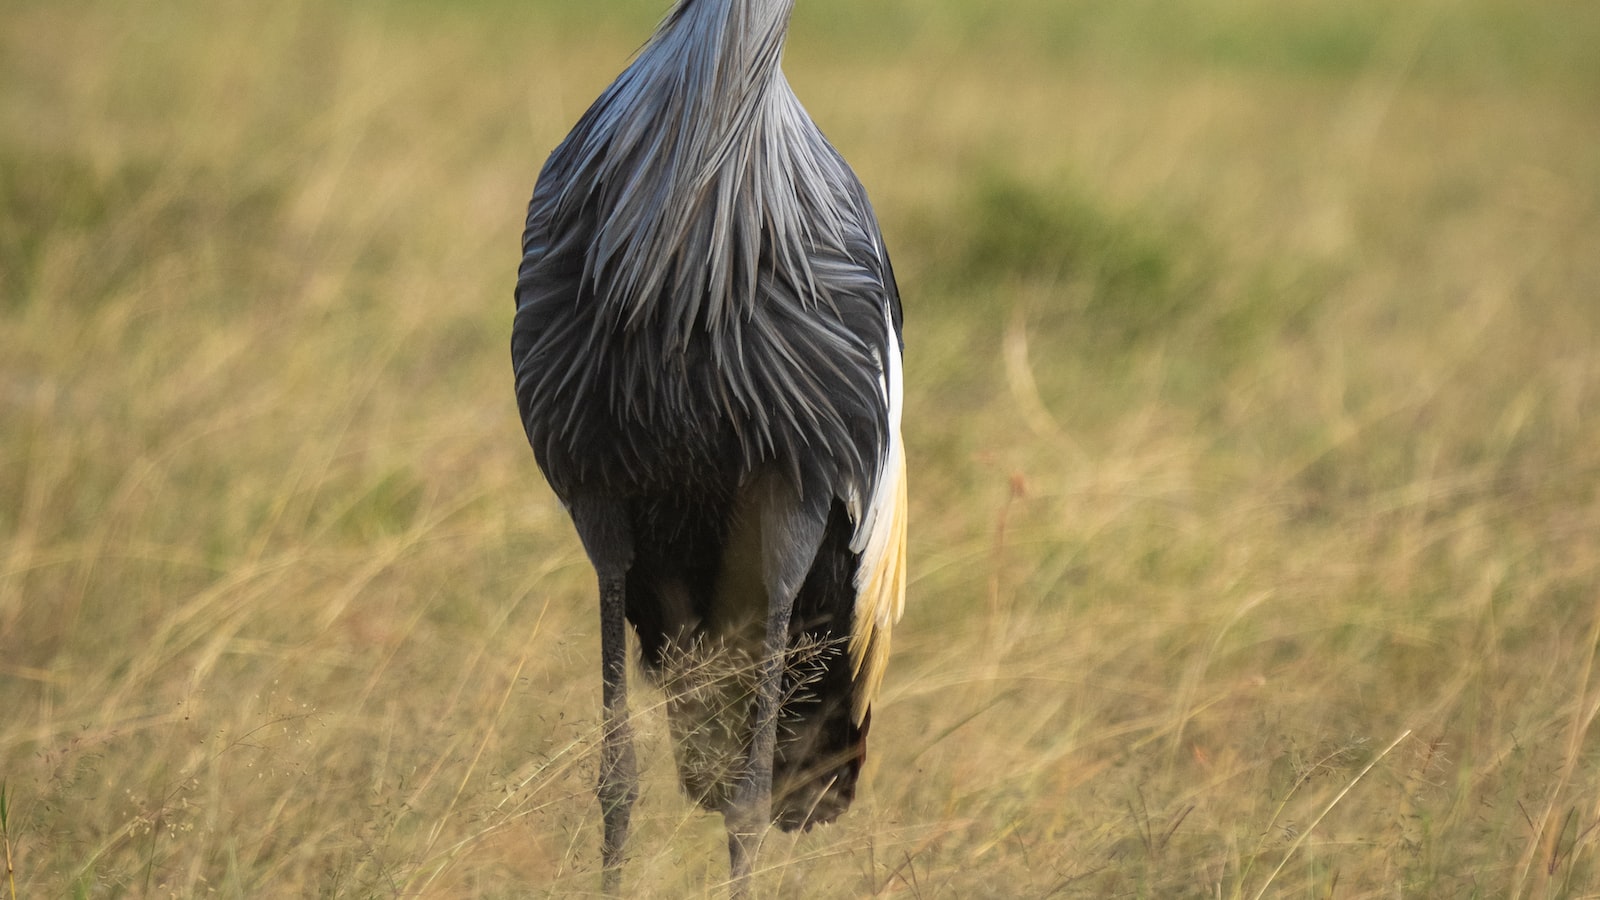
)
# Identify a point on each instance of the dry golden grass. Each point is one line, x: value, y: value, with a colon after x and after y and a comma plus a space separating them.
x: 1254, y: 416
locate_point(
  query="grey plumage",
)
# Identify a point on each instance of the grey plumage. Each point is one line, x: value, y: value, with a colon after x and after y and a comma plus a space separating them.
x: 706, y: 350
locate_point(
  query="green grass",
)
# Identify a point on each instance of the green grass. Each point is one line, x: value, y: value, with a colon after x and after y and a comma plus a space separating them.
x: 1253, y: 406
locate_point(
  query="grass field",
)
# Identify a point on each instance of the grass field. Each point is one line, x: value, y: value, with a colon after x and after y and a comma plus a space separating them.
x: 1253, y: 357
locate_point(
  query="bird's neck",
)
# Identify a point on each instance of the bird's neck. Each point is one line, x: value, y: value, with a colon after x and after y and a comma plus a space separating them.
x: 686, y: 154
x: 727, y: 48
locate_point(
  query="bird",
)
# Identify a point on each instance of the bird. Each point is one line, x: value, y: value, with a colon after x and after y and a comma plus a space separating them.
x: 707, y: 350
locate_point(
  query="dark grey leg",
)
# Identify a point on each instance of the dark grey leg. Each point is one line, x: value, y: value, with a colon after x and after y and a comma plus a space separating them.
x: 791, y: 531
x: 747, y: 821
x: 604, y: 529
x: 619, y: 774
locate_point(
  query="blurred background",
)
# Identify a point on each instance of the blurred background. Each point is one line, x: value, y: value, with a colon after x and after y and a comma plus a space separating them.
x: 1253, y: 415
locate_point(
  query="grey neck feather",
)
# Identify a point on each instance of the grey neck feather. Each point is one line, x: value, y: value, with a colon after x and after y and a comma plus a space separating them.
x: 700, y: 153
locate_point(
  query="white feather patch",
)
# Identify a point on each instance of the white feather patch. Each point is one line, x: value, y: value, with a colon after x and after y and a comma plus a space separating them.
x: 880, y: 539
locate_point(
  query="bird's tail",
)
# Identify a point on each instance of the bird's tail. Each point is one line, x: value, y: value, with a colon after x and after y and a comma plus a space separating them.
x: 820, y: 746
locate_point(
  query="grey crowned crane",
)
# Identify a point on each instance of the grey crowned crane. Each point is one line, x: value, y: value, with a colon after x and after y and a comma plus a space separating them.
x: 707, y: 354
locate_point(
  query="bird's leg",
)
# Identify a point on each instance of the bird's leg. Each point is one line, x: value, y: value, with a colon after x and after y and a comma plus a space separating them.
x: 751, y: 812
x: 619, y: 776
x: 791, y: 532
x: 603, y: 527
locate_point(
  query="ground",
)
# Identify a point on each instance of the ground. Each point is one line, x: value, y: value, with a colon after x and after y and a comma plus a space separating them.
x: 1252, y: 412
